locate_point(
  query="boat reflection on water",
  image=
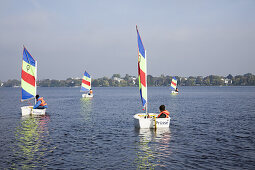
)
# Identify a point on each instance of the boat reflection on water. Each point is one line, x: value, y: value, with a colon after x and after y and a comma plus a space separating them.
x: 32, y: 143
x: 153, y: 145
x: 86, y: 108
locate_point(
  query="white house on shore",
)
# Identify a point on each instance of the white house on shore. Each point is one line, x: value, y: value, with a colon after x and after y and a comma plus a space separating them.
x: 117, y: 79
x: 226, y: 81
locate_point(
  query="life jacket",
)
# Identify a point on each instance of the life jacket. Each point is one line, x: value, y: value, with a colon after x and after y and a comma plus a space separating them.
x: 43, y: 103
x: 164, y: 112
x: 91, y: 92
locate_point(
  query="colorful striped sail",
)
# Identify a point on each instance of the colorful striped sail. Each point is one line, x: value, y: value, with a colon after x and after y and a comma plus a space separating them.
x: 86, y: 82
x: 28, y: 76
x: 174, y: 83
x: 142, y: 70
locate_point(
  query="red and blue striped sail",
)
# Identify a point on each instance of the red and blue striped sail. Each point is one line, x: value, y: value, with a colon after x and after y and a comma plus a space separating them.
x: 174, y: 83
x: 142, y: 70
x: 28, y: 76
x: 86, y: 82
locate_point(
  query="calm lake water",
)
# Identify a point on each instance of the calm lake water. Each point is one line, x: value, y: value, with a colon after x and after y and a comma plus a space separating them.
x: 211, y: 128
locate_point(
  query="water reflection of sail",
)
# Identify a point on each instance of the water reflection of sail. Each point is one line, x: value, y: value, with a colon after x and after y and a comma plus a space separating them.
x: 151, y: 146
x: 86, y: 108
x: 145, y: 156
x: 32, y: 141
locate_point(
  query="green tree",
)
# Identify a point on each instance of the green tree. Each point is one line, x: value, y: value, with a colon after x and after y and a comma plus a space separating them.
x: 207, y: 81
x: 116, y: 75
x: 230, y: 77
x: 95, y: 83
x: 183, y: 81
x: 62, y: 83
x: 12, y: 83
x: 123, y: 83
x: 167, y: 81
x: 70, y: 82
x: 45, y: 83
x: 127, y: 77
x: 190, y: 81
x: 150, y: 80
x: 77, y: 82
x: 250, y: 79
x: 105, y: 83
x: 199, y: 80
x: 216, y: 80
x: 54, y: 83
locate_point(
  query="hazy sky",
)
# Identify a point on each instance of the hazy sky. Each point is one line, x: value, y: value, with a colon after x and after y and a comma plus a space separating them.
x: 182, y: 37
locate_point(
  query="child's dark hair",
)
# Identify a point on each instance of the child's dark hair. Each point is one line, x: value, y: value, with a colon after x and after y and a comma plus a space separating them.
x: 162, y: 108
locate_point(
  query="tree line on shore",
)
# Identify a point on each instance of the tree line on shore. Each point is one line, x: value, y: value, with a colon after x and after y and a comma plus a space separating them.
x: 117, y: 81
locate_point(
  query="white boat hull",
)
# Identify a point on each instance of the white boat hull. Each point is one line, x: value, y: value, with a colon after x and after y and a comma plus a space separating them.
x: 174, y: 92
x: 87, y: 95
x: 142, y: 121
x: 28, y: 110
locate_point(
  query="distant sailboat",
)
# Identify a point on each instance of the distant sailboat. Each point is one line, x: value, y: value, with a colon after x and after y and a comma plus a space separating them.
x: 173, y: 86
x: 146, y: 120
x: 86, y: 85
x: 28, y: 83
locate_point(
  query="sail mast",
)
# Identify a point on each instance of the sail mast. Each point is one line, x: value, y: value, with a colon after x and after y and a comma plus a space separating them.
x: 146, y: 105
x: 35, y: 79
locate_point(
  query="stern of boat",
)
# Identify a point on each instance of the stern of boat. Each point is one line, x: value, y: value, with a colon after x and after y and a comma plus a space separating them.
x: 26, y: 110
x: 141, y: 120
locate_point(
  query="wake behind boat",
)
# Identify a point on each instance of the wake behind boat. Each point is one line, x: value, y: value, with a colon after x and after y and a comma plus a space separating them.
x: 146, y: 120
x: 28, y: 84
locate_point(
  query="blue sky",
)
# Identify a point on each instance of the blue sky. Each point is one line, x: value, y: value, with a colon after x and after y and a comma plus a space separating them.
x: 182, y: 37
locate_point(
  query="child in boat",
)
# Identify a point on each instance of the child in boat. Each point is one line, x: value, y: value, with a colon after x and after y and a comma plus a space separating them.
x: 163, y: 112
x: 176, y: 89
x: 90, y: 92
x: 40, y: 104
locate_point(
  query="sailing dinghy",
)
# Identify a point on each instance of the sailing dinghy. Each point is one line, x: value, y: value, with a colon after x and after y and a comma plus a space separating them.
x: 86, y: 85
x: 146, y: 120
x: 174, y: 85
x: 28, y: 84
